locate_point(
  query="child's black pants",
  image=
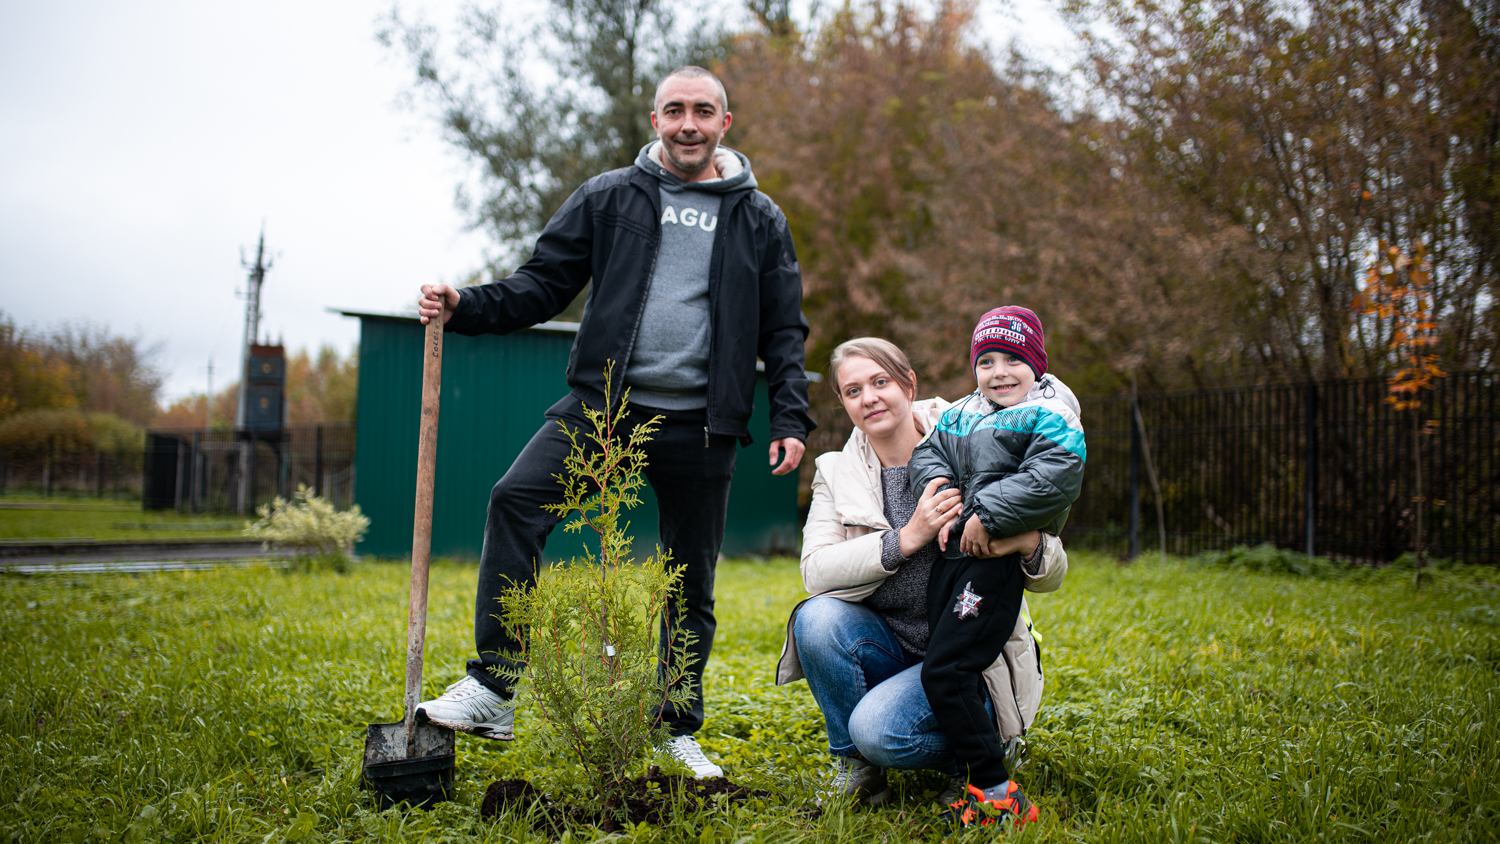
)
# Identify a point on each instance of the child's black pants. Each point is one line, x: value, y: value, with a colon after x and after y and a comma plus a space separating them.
x: 972, y: 607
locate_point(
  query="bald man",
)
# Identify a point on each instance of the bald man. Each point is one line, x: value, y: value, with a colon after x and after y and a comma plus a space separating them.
x: 694, y: 277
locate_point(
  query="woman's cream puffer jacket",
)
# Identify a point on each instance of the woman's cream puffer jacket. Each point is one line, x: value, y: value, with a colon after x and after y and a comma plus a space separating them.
x: 841, y: 546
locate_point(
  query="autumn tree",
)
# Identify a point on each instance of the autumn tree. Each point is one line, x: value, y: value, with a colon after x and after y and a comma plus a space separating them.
x: 112, y: 373
x: 40, y: 431
x: 191, y: 411
x: 77, y: 365
x: 319, y: 388
x: 322, y: 388
x: 926, y: 182
x: 533, y: 136
x: 1316, y: 128
x: 1397, y: 300
x: 30, y: 378
x: 1200, y: 225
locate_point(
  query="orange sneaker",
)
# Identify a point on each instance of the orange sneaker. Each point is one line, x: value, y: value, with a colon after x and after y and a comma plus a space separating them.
x: 973, y: 808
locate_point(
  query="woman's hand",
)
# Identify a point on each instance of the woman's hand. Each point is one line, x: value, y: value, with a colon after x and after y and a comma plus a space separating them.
x: 934, y: 509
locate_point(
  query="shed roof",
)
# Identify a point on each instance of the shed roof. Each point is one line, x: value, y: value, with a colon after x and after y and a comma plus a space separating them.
x: 559, y: 327
x: 563, y: 327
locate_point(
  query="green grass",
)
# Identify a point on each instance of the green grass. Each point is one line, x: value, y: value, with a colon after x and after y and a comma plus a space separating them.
x: 1184, y: 702
x: 104, y: 518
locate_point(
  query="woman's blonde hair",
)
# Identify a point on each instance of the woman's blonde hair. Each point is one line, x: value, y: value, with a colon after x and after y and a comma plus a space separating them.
x: 884, y: 353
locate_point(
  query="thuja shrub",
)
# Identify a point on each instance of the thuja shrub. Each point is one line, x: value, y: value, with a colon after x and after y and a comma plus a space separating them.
x: 312, y: 526
x: 591, y: 664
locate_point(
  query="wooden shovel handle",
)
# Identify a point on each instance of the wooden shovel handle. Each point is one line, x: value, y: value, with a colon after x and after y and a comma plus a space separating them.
x: 421, y: 535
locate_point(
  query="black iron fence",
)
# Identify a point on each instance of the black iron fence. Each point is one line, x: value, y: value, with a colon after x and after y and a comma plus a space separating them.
x: 1328, y: 468
x: 195, y: 471
x: 94, y: 474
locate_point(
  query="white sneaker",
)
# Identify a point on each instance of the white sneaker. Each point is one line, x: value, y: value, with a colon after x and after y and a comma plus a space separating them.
x: 859, y: 779
x: 685, y: 749
x: 469, y: 707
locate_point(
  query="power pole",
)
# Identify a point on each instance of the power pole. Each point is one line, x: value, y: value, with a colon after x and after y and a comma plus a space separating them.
x: 252, y: 321
x: 208, y: 423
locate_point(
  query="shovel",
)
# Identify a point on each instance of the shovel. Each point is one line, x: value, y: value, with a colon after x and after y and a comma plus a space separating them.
x: 407, y: 762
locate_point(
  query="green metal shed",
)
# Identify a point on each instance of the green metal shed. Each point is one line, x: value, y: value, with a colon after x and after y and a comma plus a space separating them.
x: 495, y: 390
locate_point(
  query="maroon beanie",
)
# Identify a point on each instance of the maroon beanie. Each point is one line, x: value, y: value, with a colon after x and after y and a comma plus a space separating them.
x: 1014, y: 330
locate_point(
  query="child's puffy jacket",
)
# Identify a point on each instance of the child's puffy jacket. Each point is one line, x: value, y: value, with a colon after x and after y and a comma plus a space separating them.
x: 1020, y: 468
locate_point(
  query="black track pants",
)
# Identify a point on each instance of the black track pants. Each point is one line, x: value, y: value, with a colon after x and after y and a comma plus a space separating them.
x: 690, y: 474
x: 972, y: 607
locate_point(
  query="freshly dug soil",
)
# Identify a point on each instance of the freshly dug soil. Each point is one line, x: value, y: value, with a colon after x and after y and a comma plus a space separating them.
x: 641, y: 801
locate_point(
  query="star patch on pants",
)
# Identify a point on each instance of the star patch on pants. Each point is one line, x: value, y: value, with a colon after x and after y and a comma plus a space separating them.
x: 968, y: 602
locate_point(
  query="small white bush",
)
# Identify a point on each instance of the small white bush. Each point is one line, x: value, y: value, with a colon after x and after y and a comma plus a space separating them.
x: 310, y: 525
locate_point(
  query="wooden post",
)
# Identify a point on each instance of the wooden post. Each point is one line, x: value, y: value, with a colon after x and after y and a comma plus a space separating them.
x: 318, y: 464
x: 1310, y: 475
x: 177, y: 487
x: 194, y: 481
x: 1135, y: 480
x: 251, y: 471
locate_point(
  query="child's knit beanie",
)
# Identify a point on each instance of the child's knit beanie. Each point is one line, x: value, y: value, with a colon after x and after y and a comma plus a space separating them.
x: 1014, y: 330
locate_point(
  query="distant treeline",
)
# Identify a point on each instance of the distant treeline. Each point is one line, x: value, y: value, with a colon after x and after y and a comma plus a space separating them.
x: 1197, y: 206
x: 81, y: 387
x: 319, y: 388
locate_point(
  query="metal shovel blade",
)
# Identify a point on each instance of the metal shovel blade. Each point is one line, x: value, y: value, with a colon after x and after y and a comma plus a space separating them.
x: 419, y: 780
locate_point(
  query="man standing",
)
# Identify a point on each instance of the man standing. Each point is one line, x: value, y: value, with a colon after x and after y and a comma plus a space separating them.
x: 694, y: 277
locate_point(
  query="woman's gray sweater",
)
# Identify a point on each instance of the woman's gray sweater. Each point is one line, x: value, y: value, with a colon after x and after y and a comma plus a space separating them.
x: 901, y: 599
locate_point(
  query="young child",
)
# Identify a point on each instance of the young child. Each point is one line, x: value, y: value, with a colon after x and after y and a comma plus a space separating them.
x: 1015, y: 449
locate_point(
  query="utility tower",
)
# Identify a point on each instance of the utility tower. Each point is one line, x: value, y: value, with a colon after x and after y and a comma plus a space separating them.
x: 252, y: 323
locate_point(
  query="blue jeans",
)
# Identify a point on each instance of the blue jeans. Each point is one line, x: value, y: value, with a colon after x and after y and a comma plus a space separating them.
x: 869, y: 690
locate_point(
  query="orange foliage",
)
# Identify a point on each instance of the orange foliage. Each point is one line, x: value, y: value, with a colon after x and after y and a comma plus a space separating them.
x: 319, y: 388
x: 924, y: 186
x: 192, y: 411
x: 29, y: 377
x: 1398, y: 293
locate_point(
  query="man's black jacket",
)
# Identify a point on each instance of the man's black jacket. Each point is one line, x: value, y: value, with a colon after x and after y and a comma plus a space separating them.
x: 609, y: 231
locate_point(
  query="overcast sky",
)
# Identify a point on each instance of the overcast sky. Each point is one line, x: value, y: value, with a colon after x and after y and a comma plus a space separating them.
x: 143, y: 143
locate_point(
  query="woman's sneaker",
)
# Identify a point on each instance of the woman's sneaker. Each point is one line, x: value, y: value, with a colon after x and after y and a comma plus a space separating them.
x: 469, y: 707
x: 953, y: 791
x: 859, y: 779
x: 685, y: 749
x: 980, y: 807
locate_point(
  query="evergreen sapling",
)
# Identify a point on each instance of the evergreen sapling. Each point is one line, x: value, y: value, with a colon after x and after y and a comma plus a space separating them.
x: 599, y: 658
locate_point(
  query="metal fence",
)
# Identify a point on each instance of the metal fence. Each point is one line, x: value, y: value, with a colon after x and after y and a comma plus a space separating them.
x: 1329, y: 468
x: 195, y: 471
x: 94, y: 474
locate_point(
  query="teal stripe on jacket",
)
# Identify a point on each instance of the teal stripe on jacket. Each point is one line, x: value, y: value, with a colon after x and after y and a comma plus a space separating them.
x: 1038, y: 421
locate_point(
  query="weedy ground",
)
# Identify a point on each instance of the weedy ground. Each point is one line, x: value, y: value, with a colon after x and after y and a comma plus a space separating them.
x: 1185, y: 702
x: 34, y: 517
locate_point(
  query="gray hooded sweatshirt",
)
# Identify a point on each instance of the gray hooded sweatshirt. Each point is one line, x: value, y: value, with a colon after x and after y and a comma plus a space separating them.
x: 668, y: 365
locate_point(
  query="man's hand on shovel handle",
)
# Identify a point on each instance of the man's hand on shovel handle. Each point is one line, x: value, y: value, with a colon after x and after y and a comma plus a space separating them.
x: 435, y: 296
